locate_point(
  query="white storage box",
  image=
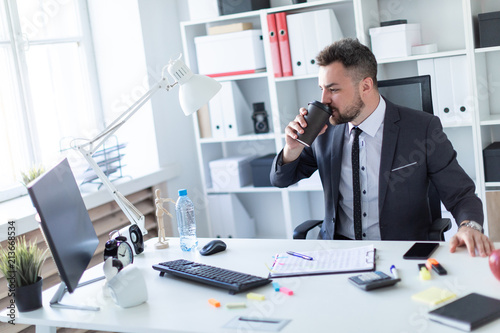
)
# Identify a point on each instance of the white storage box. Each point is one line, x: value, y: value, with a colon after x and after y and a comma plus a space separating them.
x: 233, y: 53
x: 231, y: 172
x: 201, y: 9
x: 395, y: 40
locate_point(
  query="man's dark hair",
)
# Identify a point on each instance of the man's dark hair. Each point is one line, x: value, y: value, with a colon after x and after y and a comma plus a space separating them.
x: 357, y: 59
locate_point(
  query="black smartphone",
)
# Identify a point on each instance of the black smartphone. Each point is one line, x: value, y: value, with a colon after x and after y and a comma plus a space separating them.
x: 420, y: 251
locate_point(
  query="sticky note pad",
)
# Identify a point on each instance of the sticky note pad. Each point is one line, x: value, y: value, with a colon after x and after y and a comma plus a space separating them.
x: 214, y: 302
x: 276, y: 286
x: 286, y: 291
x: 236, y: 305
x: 256, y: 296
x: 433, y: 296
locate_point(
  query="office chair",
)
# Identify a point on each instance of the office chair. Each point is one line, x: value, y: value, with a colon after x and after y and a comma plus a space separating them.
x: 402, y: 91
x: 436, y: 232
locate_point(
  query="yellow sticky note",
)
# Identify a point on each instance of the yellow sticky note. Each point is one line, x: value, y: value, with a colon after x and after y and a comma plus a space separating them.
x: 434, y: 296
x: 256, y: 296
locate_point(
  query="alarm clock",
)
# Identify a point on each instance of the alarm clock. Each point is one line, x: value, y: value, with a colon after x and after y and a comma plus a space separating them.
x: 134, y: 237
x: 121, y: 252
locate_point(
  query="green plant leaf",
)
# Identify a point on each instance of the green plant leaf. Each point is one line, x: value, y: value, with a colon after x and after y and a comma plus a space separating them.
x: 23, y: 260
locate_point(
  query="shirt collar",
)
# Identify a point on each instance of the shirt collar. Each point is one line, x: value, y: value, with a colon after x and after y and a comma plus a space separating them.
x: 371, y: 124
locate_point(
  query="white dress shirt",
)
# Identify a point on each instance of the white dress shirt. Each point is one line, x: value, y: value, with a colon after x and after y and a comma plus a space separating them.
x: 370, y: 147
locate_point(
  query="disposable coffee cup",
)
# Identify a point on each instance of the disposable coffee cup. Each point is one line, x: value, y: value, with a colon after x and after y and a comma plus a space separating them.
x: 316, y: 117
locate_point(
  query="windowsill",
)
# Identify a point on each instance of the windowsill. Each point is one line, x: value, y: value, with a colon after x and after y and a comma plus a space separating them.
x: 22, y: 211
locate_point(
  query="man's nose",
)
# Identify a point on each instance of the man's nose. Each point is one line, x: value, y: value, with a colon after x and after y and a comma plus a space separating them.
x: 325, y: 97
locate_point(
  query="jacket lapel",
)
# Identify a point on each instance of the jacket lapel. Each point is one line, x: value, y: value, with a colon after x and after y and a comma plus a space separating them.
x: 391, y: 132
x: 336, y: 160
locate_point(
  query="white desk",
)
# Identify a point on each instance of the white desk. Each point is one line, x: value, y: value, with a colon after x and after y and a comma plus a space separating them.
x: 324, y: 303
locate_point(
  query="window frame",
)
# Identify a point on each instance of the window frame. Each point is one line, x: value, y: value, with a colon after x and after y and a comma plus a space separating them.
x: 16, y: 46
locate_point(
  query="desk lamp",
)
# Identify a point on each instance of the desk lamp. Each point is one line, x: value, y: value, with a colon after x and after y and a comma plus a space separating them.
x: 194, y: 92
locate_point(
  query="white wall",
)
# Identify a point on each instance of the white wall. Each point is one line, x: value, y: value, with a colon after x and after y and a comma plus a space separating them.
x: 174, y: 131
x: 122, y: 74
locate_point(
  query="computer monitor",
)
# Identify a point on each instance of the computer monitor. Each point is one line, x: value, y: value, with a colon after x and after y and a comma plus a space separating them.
x: 66, y: 226
x: 413, y: 92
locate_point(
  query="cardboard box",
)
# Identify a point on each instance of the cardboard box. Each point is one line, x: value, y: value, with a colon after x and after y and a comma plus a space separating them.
x: 491, y: 155
x: 231, y: 172
x: 489, y: 26
x: 395, y: 40
x: 227, y: 28
x: 233, y: 53
x: 261, y: 169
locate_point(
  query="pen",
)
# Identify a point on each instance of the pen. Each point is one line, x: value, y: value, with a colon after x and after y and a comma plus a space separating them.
x: 258, y: 320
x: 303, y: 256
x: 394, y: 271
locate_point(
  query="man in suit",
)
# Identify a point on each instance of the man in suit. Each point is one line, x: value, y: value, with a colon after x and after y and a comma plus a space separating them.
x: 397, y: 152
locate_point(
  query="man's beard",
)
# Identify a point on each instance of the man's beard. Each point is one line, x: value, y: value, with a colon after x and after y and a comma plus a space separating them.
x: 351, y: 112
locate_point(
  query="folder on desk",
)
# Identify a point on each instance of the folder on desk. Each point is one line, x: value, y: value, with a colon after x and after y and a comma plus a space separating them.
x: 274, y: 43
x: 284, y: 43
x: 329, y: 261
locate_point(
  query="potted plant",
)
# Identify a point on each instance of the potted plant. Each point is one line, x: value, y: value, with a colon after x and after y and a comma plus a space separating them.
x: 21, y: 263
x: 31, y: 174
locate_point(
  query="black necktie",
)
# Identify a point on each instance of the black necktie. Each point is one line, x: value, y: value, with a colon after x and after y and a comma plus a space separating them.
x: 355, y: 184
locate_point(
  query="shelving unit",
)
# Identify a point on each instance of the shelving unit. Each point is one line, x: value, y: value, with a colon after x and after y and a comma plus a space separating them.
x: 451, y: 24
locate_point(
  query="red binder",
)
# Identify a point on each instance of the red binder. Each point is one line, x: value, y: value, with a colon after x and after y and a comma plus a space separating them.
x: 275, y: 47
x: 286, y: 61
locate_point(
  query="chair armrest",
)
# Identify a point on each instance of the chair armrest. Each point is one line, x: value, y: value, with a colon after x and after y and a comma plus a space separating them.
x: 300, y: 231
x: 437, y: 229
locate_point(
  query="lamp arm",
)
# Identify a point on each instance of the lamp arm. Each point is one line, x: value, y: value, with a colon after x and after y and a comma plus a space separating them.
x: 99, y: 140
x: 131, y: 212
x: 89, y: 148
x: 182, y: 74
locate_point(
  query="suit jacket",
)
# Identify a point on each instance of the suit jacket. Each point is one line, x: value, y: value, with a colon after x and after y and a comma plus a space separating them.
x: 415, y: 151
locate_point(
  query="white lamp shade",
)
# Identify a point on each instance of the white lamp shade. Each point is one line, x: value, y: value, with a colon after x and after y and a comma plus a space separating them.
x: 196, y: 92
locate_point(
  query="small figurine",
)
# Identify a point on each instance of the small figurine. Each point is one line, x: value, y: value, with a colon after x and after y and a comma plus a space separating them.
x: 162, y: 241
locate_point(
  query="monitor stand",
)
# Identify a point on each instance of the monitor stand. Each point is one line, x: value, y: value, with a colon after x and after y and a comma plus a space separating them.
x: 54, y: 302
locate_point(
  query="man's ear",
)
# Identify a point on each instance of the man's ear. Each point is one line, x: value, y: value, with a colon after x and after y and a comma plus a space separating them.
x: 366, y: 85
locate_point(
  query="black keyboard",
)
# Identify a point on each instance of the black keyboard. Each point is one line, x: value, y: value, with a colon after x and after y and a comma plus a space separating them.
x: 215, y: 276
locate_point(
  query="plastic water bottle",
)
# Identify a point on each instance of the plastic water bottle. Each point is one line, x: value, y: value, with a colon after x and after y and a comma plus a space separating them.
x: 186, y: 222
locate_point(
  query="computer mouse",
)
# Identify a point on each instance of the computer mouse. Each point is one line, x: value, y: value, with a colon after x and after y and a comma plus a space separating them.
x: 212, y: 247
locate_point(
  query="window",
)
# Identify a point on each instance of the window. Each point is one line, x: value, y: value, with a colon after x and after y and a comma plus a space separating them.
x: 47, y: 86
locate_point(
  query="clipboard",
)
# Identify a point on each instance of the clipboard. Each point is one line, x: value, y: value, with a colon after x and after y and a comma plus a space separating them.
x: 328, y: 261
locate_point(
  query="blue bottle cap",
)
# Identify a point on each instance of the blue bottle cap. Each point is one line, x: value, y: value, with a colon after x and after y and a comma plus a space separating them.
x: 183, y: 192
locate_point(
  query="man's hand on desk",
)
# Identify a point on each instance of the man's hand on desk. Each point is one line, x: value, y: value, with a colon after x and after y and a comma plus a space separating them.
x: 473, y: 240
